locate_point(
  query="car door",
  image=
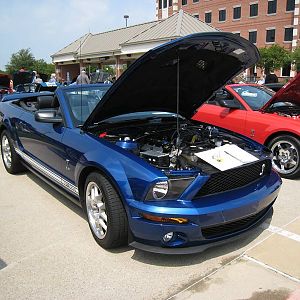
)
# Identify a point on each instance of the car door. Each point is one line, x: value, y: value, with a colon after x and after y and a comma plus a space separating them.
x: 232, y: 119
x: 41, y: 141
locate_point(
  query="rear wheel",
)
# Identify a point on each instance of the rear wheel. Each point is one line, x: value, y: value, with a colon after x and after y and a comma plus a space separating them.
x: 11, y: 160
x: 286, y: 156
x: 105, y: 213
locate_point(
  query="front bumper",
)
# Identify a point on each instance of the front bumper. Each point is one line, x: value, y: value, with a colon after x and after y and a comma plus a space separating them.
x: 213, y: 220
x: 201, y: 248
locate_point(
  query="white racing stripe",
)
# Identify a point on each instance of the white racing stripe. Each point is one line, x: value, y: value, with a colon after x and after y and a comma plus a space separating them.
x: 280, y: 231
x: 48, y: 173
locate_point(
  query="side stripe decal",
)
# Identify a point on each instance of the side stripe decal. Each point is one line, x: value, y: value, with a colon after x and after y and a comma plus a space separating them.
x: 48, y: 173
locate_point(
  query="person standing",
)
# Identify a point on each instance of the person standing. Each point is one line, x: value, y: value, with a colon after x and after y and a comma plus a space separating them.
x: 82, y: 78
x: 53, y: 78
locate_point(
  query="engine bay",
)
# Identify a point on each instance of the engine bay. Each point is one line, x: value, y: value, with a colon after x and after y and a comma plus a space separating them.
x: 173, y: 148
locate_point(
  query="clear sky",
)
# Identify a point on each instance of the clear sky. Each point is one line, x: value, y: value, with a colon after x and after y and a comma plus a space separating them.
x: 47, y: 26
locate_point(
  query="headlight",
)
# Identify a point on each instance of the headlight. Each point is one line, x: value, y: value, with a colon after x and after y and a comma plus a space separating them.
x: 160, y: 190
x: 169, y: 190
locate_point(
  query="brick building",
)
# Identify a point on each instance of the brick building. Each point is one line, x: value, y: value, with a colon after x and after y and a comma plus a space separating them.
x: 264, y: 22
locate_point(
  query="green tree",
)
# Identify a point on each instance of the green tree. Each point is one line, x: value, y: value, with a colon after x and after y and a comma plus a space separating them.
x: 23, y: 58
x: 273, y: 58
x: 43, y: 67
x: 109, y: 69
x: 296, y: 58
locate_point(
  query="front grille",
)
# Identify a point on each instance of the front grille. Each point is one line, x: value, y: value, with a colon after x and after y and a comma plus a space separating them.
x: 233, y: 227
x: 234, y: 178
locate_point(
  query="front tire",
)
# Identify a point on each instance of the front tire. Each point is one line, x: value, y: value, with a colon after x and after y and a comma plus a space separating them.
x: 105, y: 212
x: 286, y: 156
x: 11, y: 160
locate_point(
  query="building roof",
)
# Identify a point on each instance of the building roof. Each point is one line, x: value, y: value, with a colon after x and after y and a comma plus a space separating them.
x: 73, y: 47
x: 178, y: 25
x: 111, y: 42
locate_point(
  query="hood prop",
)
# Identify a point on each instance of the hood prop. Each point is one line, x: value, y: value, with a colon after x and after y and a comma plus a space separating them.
x: 178, y: 141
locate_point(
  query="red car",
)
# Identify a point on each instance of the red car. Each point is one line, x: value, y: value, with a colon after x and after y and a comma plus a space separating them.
x: 273, y: 119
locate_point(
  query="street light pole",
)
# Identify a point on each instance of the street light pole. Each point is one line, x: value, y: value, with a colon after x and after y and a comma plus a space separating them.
x: 126, y: 18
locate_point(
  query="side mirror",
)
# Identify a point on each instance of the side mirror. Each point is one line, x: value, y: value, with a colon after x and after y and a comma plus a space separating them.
x: 47, y: 116
x: 229, y: 104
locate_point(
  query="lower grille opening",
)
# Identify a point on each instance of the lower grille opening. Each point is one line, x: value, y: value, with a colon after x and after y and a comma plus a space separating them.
x: 233, y: 227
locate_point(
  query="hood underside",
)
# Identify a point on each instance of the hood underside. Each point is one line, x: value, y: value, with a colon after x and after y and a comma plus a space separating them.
x: 288, y: 93
x: 191, y: 69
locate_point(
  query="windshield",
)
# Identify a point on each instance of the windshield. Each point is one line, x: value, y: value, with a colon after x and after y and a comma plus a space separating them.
x: 83, y: 100
x: 255, y: 96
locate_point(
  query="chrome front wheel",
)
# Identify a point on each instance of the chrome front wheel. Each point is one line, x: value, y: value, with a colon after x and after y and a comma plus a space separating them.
x: 96, y: 209
x: 286, y: 156
x: 105, y: 212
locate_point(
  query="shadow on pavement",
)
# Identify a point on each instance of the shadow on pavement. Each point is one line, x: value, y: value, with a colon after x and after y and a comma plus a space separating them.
x: 2, y: 264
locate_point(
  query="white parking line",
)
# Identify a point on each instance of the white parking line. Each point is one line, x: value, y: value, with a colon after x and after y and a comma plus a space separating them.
x: 280, y: 231
x: 271, y: 268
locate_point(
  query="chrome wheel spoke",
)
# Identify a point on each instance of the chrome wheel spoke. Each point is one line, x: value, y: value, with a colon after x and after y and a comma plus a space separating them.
x: 103, y: 216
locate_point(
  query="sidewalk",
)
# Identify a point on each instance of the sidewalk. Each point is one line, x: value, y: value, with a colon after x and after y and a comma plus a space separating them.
x: 269, y: 270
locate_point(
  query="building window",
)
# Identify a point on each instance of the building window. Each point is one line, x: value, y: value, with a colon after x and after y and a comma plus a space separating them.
x: 184, y: 2
x: 286, y: 70
x: 165, y: 3
x: 288, y: 34
x: 159, y: 4
x: 195, y: 1
x: 208, y: 17
x: 254, y: 10
x: 237, y: 13
x: 253, y: 36
x: 270, y: 37
x: 272, y: 7
x: 196, y: 16
x: 170, y: 3
x: 290, y: 5
x: 222, y: 15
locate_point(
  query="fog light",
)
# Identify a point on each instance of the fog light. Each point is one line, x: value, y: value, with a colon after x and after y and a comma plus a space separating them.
x: 168, y: 237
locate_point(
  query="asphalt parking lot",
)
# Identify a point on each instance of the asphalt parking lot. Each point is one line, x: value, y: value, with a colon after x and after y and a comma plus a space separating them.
x: 47, y: 252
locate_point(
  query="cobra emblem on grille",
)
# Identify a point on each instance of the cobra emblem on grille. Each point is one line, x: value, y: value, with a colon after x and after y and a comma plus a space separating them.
x: 262, y: 169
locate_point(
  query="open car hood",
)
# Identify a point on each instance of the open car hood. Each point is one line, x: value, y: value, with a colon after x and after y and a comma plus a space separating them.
x: 22, y: 77
x: 4, y: 80
x: 206, y: 62
x: 288, y: 93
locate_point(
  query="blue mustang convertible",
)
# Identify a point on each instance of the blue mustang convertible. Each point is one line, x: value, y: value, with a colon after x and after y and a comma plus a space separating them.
x: 144, y: 173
